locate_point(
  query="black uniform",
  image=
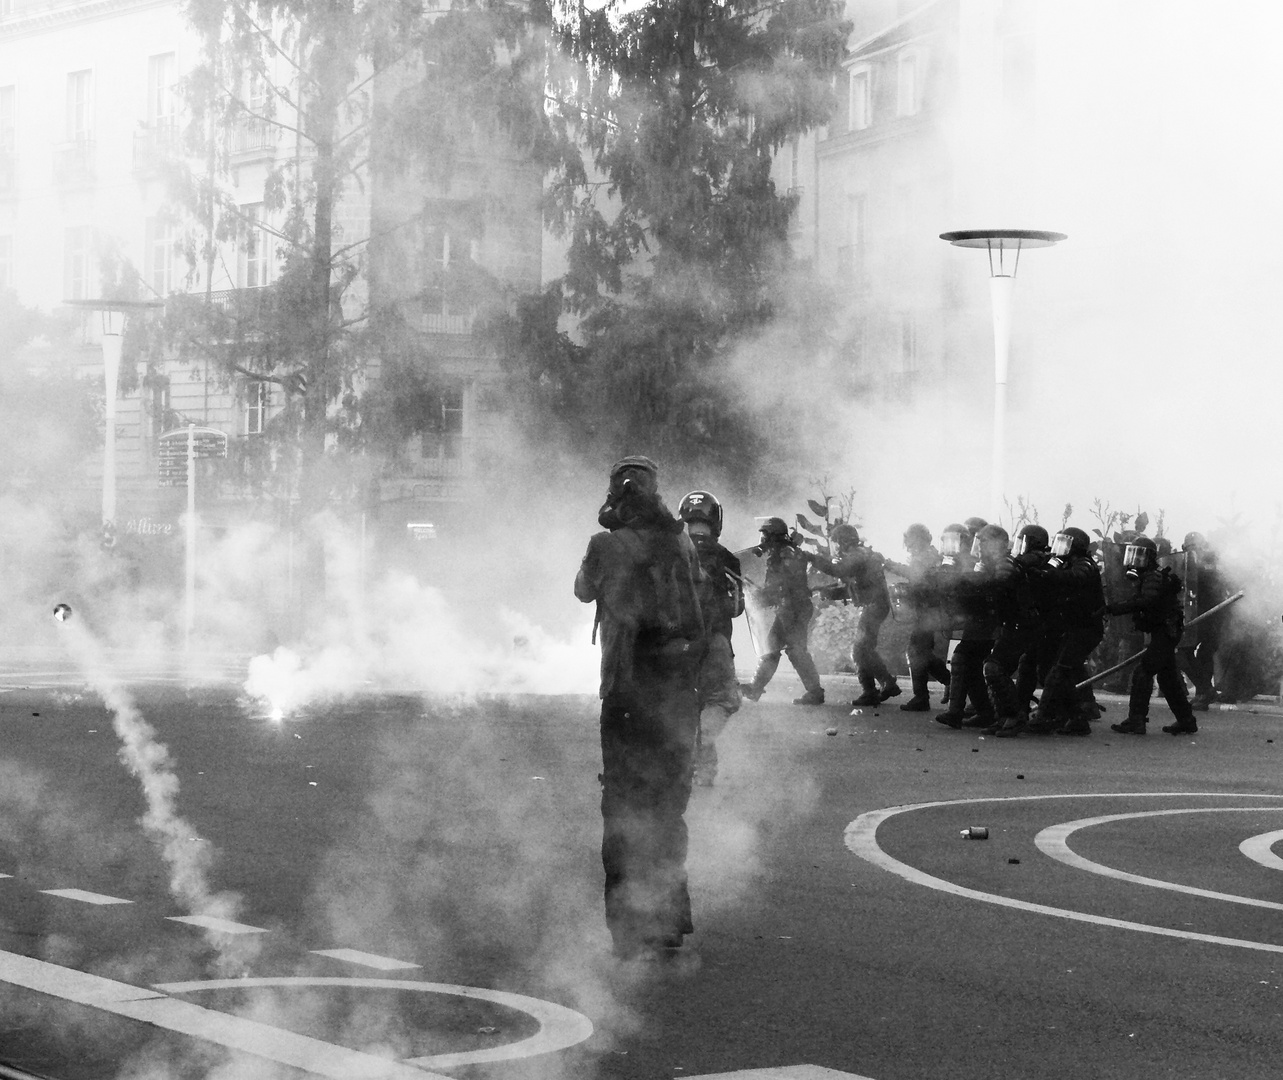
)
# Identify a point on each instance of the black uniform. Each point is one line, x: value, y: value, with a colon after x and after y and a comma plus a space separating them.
x: 1160, y: 616
x: 1075, y: 626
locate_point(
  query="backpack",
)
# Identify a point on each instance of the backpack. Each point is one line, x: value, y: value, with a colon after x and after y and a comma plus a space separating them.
x: 663, y: 592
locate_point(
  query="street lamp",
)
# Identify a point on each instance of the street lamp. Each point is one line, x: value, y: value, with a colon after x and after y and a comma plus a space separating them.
x: 1006, y: 244
x: 112, y: 313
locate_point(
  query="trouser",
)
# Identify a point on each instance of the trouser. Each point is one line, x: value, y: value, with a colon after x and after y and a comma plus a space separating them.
x: 967, y: 676
x: 1199, y: 661
x: 647, y: 748
x: 788, y: 634
x: 870, y: 668
x: 1000, y: 668
x: 924, y: 664
x: 1158, y: 661
x: 1061, y: 700
x: 1035, y: 665
x: 718, y: 688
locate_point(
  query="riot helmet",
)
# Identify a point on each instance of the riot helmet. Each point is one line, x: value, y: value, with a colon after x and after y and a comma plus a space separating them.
x: 917, y: 537
x: 975, y: 524
x: 845, y: 536
x: 991, y: 543
x: 701, y: 506
x: 1141, y: 554
x: 774, y: 529
x: 1070, y: 541
x: 1194, y: 541
x: 1164, y: 546
x: 951, y: 539
x: 1030, y: 539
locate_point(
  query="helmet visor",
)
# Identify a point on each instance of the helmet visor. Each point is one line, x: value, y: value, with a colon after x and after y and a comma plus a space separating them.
x: 951, y: 543
x: 975, y: 548
x: 1062, y: 545
x: 1136, y: 557
x: 1024, y: 544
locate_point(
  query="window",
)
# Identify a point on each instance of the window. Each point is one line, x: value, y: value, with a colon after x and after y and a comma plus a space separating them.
x: 258, y: 396
x: 6, y: 262
x: 158, y: 258
x: 860, y: 115
x: 160, y: 95
x: 851, y: 251
x: 255, y: 249
x: 6, y: 8
x: 443, y: 437
x: 159, y: 409
x: 76, y: 259
x: 79, y: 120
x: 906, y: 93
x: 794, y: 163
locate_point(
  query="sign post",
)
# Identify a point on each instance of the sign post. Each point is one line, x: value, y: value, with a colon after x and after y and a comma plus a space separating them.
x: 179, y: 450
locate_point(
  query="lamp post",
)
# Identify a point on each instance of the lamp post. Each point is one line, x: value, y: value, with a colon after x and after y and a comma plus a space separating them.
x: 112, y: 313
x: 1006, y: 244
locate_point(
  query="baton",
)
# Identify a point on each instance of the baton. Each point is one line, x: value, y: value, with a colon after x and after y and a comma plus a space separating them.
x: 745, y: 584
x: 1132, y: 659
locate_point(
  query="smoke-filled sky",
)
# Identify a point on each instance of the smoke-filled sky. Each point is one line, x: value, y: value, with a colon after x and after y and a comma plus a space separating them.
x: 1145, y: 362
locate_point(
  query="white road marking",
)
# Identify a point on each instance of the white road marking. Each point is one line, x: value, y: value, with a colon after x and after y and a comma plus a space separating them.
x: 861, y: 839
x: 1257, y: 848
x: 365, y: 959
x: 1054, y: 842
x: 233, y: 1032
x: 559, y: 1027
x: 211, y: 922
x: 84, y: 897
x: 785, y: 1072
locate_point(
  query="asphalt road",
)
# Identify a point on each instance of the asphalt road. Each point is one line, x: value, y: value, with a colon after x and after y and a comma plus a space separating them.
x: 398, y: 839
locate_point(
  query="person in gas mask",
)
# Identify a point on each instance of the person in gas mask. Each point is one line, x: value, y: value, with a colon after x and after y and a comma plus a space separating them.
x: 787, y: 593
x: 983, y: 597
x: 860, y: 568
x: 721, y: 601
x: 1199, y: 660
x: 1076, y: 600
x: 644, y: 575
x: 920, y: 594
x: 1158, y: 613
x: 1032, y: 550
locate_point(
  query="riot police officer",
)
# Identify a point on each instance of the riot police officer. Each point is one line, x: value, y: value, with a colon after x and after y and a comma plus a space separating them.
x: 1076, y: 608
x: 788, y: 593
x: 919, y: 592
x: 984, y: 597
x: 1158, y: 613
x: 721, y: 600
x: 861, y: 569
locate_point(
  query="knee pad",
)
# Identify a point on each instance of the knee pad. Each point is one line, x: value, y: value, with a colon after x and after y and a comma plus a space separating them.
x: 993, y: 671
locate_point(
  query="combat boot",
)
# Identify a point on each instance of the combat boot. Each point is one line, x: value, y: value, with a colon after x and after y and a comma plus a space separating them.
x: 1011, y: 727
x: 1182, y: 727
x: 869, y: 697
x: 889, y: 690
x: 1078, y: 725
x: 811, y: 697
x: 751, y: 691
x: 917, y: 703
x: 1133, y: 725
x: 1040, y: 724
x: 949, y: 718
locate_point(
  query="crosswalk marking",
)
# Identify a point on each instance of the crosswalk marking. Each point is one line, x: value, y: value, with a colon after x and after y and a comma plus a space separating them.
x: 84, y: 897
x: 365, y: 959
x: 785, y: 1072
x: 211, y: 922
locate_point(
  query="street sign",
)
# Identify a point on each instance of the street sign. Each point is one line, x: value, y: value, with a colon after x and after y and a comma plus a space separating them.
x: 172, y: 452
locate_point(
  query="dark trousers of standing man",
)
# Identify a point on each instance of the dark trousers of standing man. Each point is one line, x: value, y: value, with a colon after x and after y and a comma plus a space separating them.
x: 788, y: 634
x: 1158, y: 661
x: 648, y: 734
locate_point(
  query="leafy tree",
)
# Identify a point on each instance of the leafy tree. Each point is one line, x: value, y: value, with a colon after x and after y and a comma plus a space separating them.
x: 677, y: 247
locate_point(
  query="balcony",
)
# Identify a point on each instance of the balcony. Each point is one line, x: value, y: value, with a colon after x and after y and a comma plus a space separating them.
x: 153, y: 145
x: 251, y: 138
x: 246, y: 307
x: 73, y: 163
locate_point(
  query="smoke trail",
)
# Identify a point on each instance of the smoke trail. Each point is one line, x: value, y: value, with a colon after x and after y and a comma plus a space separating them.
x: 188, y: 858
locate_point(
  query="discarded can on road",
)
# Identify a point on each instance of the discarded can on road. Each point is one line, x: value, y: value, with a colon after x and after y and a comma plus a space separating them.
x: 976, y: 832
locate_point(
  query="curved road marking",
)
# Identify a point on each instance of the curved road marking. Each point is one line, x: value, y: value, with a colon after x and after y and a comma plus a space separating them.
x: 1053, y: 841
x: 1257, y: 848
x: 559, y: 1027
x: 861, y: 839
